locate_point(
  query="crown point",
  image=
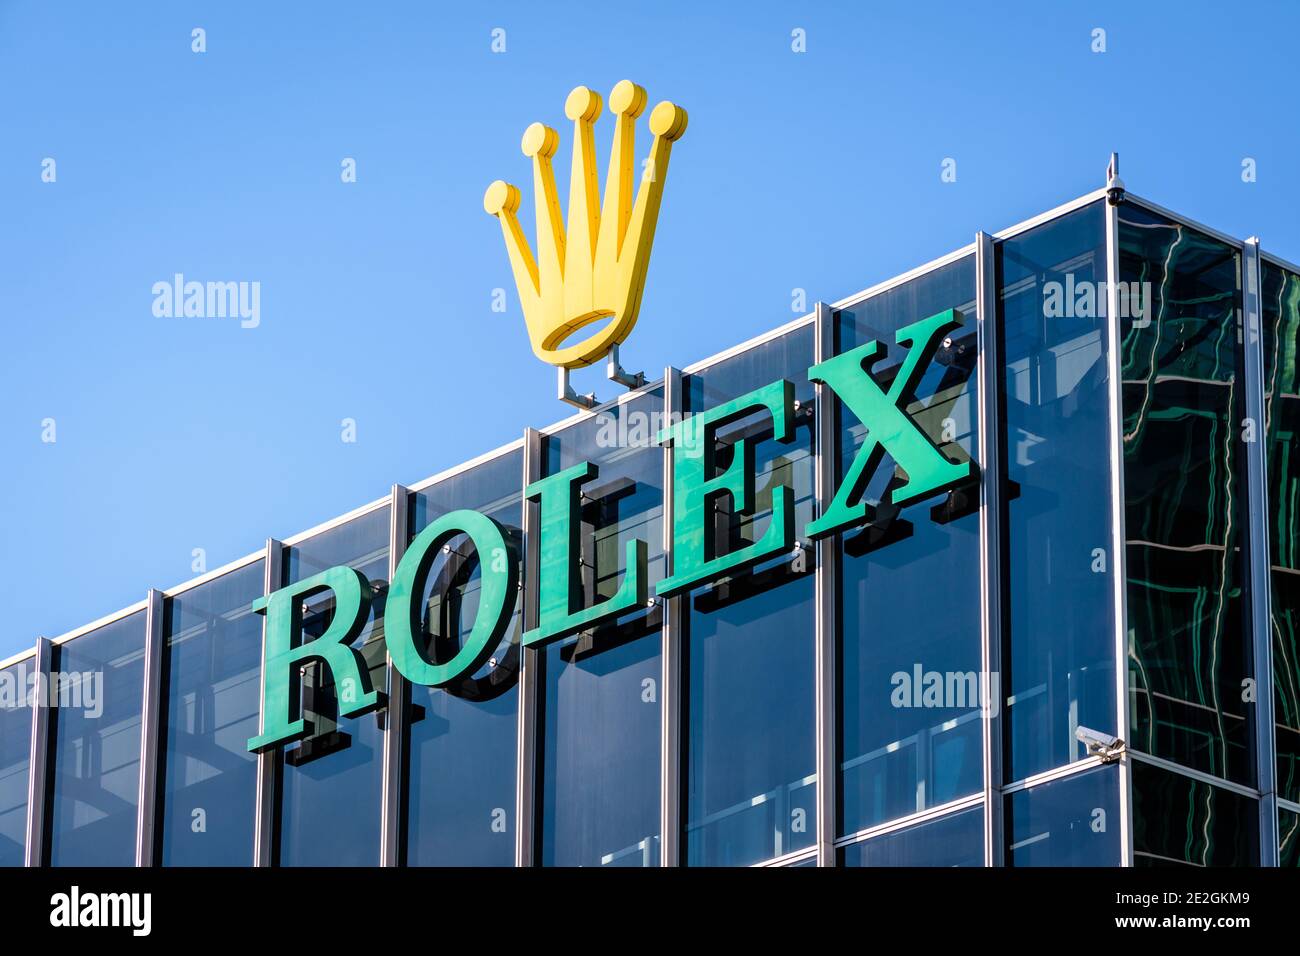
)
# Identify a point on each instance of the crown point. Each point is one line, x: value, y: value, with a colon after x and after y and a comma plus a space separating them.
x: 500, y: 197
x: 668, y: 120
x: 583, y: 104
x: 540, y: 138
x: 627, y: 98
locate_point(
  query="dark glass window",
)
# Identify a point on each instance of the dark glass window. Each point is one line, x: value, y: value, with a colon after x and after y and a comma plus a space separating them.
x: 1072, y: 821
x: 953, y: 840
x: 1288, y: 838
x: 601, y: 718
x: 1058, y: 664
x: 1181, y: 821
x: 1184, y: 489
x: 96, y: 692
x: 750, y: 725
x: 462, y: 736
x: 330, y: 814
x: 910, y: 593
x: 1281, y: 314
x: 15, y: 754
x: 212, y: 667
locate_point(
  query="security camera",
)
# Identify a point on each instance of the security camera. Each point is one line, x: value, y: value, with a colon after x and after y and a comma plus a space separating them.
x: 1108, y: 748
x: 1114, y: 185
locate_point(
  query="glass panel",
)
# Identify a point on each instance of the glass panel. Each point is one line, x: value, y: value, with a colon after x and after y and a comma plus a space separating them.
x: 600, y: 761
x: 1058, y: 670
x: 1185, y: 497
x: 904, y: 748
x: 954, y: 840
x: 1288, y: 838
x: 1281, y: 308
x: 1181, y: 821
x: 15, y: 759
x: 1073, y: 821
x: 96, y: 691
x: 462, y: 756
x: 331, y: 780
x: 750, y: 724
x: 212, y: 668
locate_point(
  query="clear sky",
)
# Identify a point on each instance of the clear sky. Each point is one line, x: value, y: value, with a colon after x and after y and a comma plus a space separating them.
x: 817, y: 170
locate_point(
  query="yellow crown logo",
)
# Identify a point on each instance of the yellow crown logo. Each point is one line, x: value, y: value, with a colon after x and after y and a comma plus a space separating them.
x: 596, y: 269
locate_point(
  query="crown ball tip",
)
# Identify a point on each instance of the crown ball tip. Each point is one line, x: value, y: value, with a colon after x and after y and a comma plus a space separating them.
x: 627, y: 98
x: 668, y: 120
x: 500, y: 197
x: 583, y: 104
x: 539, y: 139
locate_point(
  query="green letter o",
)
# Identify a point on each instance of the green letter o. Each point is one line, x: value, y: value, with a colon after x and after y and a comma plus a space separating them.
x: 403, y: 615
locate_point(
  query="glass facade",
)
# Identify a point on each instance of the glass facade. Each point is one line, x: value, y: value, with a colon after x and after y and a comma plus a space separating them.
x: 1181, y: 821
x: 1184, y: 489
x: 1280, y: 313
x: 1070, y: 821
x: 910, y: 731
x: 599, y: 800
x: 15, y: 760
x: 212, y: 669
x: 96, y: 697
x: 691, y: 728
x: 956, y: 839
x: 329, y: 813
x: 460, y: 807
x: 750, y: 737
x: 1059, y: 669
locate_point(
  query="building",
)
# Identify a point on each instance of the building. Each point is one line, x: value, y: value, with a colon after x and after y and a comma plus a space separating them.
x: 1086, y: 653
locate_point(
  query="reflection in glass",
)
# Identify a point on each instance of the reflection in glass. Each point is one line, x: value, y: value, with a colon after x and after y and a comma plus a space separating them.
x: 15, y: 754
x: 331, y: 780
x: 1281, y: 315
x: 1185, y: 500
x: 95, y: 745
x: 953, y: 840
x: 1072, y: 821
x: 910, y: 596
x: 750, y: 729
x: 1058, y: 666
x: 1181, y: 821
x: 211, y: 701
x: 1288, y: 838
x: 600, y: 760
x: 462, y: 736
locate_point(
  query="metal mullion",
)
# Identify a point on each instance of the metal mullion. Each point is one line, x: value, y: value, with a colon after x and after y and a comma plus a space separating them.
x: 1086, y: 765
x: 951, y: 808
x: 269, y: 767
x: 392, y: 802
x: 38, y: 766
x: 530, y: 662
x: 1223, y: 783
x: 1119, y: 555
x: 992, y: 503
x: 671, y: 679
x: 1259, y: 572
x: 826, y: 583
x: 150, y: 731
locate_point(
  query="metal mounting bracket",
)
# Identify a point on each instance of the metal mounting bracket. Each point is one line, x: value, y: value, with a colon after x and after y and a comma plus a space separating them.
x: 614, y: 371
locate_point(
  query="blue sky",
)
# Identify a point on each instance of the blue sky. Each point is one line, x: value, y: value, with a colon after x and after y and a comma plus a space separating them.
x: 816, y: 170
